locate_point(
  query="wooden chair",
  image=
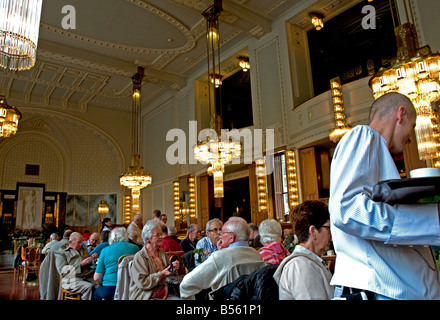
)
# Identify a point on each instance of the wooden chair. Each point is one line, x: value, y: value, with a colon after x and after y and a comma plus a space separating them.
x: 122, y: 291
x: 31, y: 264
x: 123, y: 256
x: 330, y: 261
x: 183, y: 269
x: 175, y: 253
x: 68, y: 295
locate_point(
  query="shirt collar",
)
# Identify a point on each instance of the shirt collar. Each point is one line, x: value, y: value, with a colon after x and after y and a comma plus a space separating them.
x: 239, y: 244
x: 300, y: 248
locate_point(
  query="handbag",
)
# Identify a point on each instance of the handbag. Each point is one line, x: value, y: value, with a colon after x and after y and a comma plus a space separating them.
x: 406, y: 191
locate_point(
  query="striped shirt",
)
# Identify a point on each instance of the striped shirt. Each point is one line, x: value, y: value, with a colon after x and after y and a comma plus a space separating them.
x: 379, y: 247
x: 273, y: 252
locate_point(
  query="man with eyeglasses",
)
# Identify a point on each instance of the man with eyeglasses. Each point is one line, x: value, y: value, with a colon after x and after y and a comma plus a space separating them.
x: 228, y: 263
x: 209, y: 243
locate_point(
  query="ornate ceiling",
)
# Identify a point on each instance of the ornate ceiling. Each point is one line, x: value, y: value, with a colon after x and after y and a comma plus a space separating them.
x: 89, y: 50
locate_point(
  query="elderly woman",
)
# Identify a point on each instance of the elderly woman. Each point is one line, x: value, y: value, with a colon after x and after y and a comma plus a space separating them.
x: 106, y: 273
x: 303, y: 275
x: 273, y: 251
x: 151, y: 267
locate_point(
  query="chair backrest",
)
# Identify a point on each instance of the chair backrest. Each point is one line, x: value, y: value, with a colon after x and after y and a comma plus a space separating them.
x: 188, y: 260
x: 33, y: 255
x: 123, y: 256
x: 122, y: 291
x: 175, y: 253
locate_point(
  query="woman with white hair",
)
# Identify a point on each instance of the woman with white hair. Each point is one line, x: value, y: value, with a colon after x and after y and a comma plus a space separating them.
x: 106, y: 273
x: 151, y: 266
x: 273, y: 251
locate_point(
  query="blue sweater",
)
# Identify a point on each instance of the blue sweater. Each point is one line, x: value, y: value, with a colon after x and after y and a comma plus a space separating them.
x: 108, y: 260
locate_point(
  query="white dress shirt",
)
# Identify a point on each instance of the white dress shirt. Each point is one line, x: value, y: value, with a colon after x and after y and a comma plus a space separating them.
x: 379, y: 247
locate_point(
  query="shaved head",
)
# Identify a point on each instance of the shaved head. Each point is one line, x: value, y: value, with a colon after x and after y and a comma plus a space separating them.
x: 387, y: 104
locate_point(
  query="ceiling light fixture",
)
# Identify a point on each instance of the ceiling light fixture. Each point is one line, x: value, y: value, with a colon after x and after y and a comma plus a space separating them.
x: 218, y: 149
x: 317, y: 20
x: 19, y: 29
x: 244, y: 63
x: 135, y: 179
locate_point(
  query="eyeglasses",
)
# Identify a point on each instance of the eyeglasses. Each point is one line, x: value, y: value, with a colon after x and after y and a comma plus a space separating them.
x: 155, y: 235
x: 215, y: 230
x: 328, y: 227
x: 224, y: 232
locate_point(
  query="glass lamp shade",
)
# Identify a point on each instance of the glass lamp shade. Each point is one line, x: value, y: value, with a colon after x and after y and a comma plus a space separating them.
x: 103, y: 207
x: 135, y: 179
x: 19, y: 30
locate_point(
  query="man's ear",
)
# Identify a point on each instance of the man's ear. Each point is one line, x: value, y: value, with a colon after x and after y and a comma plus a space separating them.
x: 401, y: 112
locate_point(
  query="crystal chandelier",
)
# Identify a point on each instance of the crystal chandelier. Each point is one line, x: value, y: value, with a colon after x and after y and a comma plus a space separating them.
x: 135, y: 179
x: 414, y: 73
x: 9, y: 118
x: 217, y: 150
x: 19, y: 29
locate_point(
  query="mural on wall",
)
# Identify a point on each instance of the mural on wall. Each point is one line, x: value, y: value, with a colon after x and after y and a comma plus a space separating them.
x: 29, y: 207
x: 82, y: 210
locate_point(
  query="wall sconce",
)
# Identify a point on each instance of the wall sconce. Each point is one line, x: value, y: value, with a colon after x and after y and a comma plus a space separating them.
x: 103, y: 209
x: 338, y: 110
x: 244, y: 63
x: 184, y: 210
x: 176, y: 202
x: 217, y: 172
x: 127, y: 209
x: 192, y: 197
x: 9, y: 118
x: 260, y: 172
x: 317, y: 20
x: 292, y: 181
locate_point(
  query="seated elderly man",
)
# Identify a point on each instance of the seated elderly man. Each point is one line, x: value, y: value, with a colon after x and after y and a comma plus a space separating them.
x: 135, y: 229
x: 209, y: 243
x: 52, y: 240
x: 92, y: 242
x: 74, y: 264
x: 224, y: 266
x: 64, y: 242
